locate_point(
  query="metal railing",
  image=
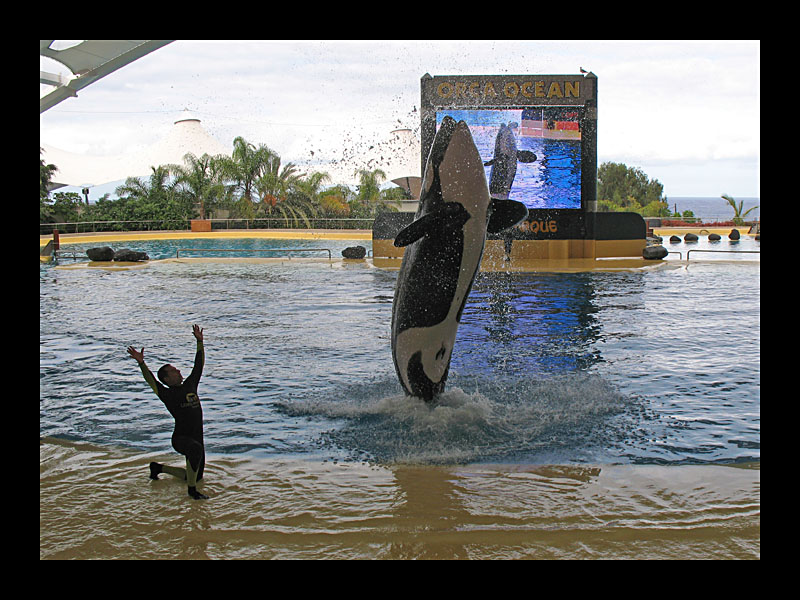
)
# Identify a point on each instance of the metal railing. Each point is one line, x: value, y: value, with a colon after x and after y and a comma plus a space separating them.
x: 688, y: 253
x: 106, y: 226
x: 717, y: 218
x: 289, y: 250
x: 217, y: 224
x: 314, y: 223
x: 67, y: 254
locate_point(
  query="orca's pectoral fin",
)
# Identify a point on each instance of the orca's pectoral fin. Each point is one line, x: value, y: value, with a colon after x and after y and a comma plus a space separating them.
x: 414, y: 231
x: 526, y: 156
x: 451, y: 216
x: 489, y: 163
x: 505, y: 214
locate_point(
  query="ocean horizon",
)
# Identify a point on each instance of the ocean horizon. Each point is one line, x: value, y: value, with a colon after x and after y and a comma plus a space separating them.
x: 713, y: 208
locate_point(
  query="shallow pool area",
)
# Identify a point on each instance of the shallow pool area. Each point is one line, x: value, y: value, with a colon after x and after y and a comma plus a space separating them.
x: 747, y: 249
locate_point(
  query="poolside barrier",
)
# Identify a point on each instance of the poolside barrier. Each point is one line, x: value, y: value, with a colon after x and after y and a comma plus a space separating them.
x: 289, y: 250
x: 688, y: 253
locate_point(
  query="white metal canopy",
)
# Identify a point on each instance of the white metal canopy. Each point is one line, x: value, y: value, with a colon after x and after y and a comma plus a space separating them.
x: 89, y: 61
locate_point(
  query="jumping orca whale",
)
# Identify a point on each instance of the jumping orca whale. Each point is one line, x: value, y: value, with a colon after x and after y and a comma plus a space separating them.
x: 504, y: 162
x: 444, y: 248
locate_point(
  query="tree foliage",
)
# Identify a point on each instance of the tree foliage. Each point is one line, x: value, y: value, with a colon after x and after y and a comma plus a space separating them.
x: 202, y: 179
x: 628, y: 189
x: 251, y: 183
x: 738, y: 218
x: 45, y: 175
x: 370, y: 200
x: 157, y: 198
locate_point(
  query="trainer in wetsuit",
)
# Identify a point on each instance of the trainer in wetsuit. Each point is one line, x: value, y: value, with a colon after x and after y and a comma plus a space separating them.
x: 180, y: 398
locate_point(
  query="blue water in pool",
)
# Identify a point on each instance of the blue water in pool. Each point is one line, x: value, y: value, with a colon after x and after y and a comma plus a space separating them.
x: 245, y: 247
x: 632, y: 367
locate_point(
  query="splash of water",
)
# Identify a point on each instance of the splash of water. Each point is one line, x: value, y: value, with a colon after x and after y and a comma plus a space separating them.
x: 475, y: 420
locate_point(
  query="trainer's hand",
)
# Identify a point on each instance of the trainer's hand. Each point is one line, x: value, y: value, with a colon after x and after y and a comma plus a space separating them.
x: 138, y: 356
x: 198, y: 333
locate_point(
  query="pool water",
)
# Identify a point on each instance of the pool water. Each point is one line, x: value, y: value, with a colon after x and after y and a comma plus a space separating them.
x: 746, y: 249
x: 655, y: 367
x: 245, y: 247
x: 587, y: 415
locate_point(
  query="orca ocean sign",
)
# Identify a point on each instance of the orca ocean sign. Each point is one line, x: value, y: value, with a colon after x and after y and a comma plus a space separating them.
x: 536, y: 135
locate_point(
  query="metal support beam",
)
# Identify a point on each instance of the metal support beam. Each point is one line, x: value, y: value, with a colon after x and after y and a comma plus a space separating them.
x: 55, y: 79
x: 70, y: 89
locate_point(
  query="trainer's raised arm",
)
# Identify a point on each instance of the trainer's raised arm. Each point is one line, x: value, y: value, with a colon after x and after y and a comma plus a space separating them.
x: 197, y: 332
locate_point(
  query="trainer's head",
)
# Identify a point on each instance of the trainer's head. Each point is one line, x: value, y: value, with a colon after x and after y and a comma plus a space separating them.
x: 170, y: 376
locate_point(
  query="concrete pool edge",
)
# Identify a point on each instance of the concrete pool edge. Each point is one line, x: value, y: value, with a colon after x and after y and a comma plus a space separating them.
x: 393, y: 264
x: 273, y: 234
x: 276, y: 234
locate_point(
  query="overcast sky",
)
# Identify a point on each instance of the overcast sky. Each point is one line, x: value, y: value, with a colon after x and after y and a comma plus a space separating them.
x: 686, y: 113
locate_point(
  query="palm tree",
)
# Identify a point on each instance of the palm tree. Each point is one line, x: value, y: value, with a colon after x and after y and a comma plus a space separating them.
x: 155, y: 197
x: 246, y: 164
x: 369, y: 190
x: 45, y: 175
x: 370, y: 198
x: 281, y: 191
x: 139, y: 187
x: 738, y: 218
x: 311, y: 185
x: 201, y: 177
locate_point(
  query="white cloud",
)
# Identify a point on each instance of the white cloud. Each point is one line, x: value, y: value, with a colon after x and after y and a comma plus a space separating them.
x: 659, y: 102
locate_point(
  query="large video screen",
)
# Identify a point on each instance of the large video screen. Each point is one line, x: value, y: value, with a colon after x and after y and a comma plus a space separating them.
x: 551, y: 133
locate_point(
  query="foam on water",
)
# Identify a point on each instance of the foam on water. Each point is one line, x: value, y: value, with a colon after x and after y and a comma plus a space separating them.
x: 475, y: 420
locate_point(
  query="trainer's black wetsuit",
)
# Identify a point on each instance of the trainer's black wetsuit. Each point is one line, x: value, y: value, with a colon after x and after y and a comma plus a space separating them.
x: 183, y: 404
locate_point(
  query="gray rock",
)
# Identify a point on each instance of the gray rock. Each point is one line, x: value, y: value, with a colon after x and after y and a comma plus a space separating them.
x: 128, y: 255
x: 354, y: 252
x: 101, y: 253
x: 654, y: 252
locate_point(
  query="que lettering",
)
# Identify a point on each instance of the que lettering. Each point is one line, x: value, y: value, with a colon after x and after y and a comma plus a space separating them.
x: 539, y: 226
